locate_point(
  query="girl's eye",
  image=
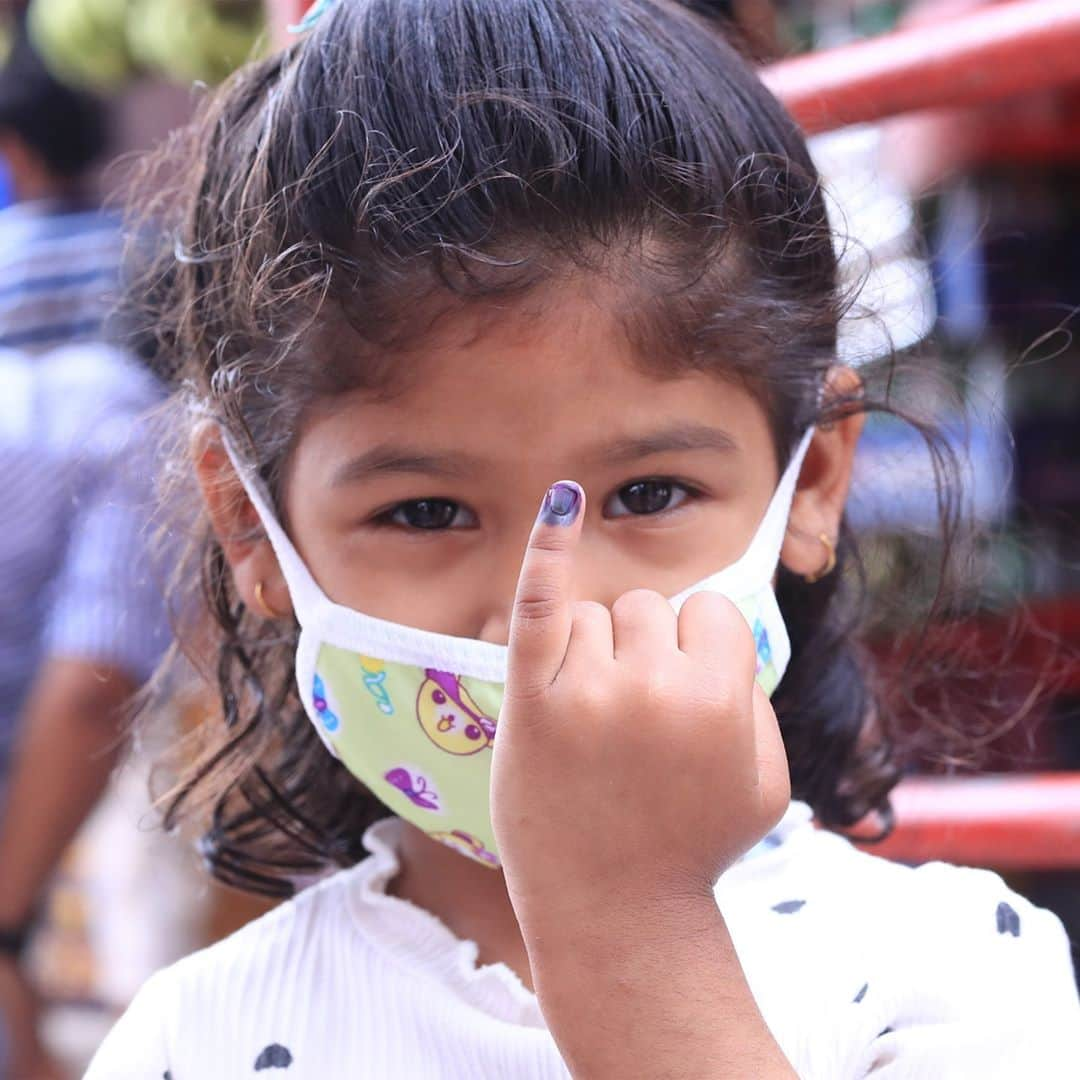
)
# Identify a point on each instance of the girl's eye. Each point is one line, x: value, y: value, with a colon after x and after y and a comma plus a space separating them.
x: 431, y: 514
x: 646, y: 497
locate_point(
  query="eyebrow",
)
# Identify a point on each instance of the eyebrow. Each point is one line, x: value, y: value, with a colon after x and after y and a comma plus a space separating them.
x: 676, y: 437
x: 389, y: 459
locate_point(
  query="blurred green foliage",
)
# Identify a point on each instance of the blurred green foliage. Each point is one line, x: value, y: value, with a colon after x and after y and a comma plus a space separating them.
x: 102, y: 44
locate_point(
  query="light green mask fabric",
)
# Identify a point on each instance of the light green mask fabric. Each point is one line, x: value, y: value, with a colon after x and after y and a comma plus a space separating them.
x: 413, y: 715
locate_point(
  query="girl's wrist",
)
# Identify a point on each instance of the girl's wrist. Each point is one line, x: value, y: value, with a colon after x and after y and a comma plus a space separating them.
x: 665, y: 987
x: 612, y: 940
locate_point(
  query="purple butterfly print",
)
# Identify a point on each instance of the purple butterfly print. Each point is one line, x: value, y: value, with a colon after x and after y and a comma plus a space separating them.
x: 417, y: 791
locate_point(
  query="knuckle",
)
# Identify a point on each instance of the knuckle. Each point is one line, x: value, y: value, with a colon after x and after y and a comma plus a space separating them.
x: 712, y: 606
x: 530, y: 693
x: 725, y: 623
x: 636, y: 602
x: 657, y: 688
x: 532, y: 611
x: 550, y: 542
x: 537, y: 604
x: 588, y: 610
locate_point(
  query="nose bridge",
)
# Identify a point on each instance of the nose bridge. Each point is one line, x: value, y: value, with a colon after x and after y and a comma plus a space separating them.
x: 500, y: 585
x: 595, y: 576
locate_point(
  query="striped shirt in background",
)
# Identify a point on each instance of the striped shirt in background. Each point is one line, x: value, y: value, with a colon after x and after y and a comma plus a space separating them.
x: 59, y: 270
x: 76, y: 490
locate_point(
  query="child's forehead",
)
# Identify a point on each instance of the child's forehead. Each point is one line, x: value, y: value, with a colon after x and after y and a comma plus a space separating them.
x: 563, y: 381
x: 570, y: 340
x: 570, y: 345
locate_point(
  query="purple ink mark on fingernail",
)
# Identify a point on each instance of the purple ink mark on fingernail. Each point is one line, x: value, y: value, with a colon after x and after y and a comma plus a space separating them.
x: 561, y: 504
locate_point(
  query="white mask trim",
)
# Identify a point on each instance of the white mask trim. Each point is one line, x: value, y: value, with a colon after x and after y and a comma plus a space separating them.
x: 321, y: 618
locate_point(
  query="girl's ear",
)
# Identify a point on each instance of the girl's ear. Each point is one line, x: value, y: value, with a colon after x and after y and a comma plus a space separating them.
x: 255, y: 568
x: 823, y: 484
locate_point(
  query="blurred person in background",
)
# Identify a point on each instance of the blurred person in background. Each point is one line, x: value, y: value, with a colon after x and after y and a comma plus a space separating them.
x: 82, y: 624
x: 59, y: 252
x: 82, y: 617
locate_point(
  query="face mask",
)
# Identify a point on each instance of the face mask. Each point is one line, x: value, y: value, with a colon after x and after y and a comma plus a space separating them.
x: 413, y: 714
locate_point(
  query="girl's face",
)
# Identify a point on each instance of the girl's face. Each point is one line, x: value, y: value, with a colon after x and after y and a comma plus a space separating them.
x: 417, y: 508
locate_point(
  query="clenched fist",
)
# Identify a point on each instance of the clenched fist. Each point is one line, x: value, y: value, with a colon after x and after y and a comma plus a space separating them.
x: 636, y: 757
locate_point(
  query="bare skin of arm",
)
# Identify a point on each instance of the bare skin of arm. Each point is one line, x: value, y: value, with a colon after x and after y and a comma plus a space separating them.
x: 658, y: 994
x: 71, y: 741
x: 612, y: 883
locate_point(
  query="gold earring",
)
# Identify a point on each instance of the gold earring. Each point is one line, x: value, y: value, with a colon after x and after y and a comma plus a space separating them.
x: 263, y: 606
x: 830, y: 560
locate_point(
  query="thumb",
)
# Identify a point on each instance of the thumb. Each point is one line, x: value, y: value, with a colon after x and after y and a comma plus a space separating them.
x: 540, y: 621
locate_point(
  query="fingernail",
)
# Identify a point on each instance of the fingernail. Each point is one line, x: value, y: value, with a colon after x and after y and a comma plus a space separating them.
x: 561, y: 504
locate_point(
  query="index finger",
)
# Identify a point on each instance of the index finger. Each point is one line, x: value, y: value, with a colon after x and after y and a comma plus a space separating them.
x: 541, y: 619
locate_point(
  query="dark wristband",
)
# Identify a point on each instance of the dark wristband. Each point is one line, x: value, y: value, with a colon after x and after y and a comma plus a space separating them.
x: 14, y: 939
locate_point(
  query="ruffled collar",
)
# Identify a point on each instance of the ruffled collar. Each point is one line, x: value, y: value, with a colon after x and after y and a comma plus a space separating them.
x: 423, y: 942
x: 412, y: 936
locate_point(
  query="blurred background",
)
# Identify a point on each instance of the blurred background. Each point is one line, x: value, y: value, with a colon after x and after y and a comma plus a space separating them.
x: 958, y: 192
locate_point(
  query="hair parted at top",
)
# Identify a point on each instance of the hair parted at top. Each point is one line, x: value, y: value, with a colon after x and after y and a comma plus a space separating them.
x: 410, y: 156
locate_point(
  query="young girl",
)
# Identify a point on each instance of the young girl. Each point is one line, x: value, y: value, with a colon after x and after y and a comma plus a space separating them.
x: 431, y: 259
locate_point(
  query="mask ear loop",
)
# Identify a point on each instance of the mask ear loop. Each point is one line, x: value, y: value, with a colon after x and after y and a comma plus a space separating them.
x: 321, y: 618
x: 307, y: 597
x: 314, y: 610
x: 758, y: 562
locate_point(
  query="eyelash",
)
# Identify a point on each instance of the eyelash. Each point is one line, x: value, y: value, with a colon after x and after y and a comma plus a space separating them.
x: 386, y: 517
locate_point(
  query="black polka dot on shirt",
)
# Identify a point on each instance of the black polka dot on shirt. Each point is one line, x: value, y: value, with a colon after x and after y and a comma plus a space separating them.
x: 862, y: 993
x: 1008, y: 922
x: 788, y: 907
x: 274, y: 1056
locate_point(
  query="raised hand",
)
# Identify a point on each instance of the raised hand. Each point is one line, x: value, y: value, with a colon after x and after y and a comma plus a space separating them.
x: 636, y: 759
x: 636, y: 756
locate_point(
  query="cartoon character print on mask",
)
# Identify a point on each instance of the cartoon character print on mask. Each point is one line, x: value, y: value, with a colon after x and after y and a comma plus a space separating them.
x: 464, y: 844
x: 449, y: 716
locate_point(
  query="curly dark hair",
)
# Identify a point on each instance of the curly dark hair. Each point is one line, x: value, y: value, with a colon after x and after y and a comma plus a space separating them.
x: 411, y: 155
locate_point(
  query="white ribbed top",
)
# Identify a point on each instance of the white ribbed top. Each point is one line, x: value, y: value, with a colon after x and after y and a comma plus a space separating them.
x: 421, y: 944
x: 861, y: 968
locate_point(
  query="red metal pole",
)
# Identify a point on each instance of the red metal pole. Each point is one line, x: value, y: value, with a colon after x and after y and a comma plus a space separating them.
x: 1012, y: 822
x: 973, y: 59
